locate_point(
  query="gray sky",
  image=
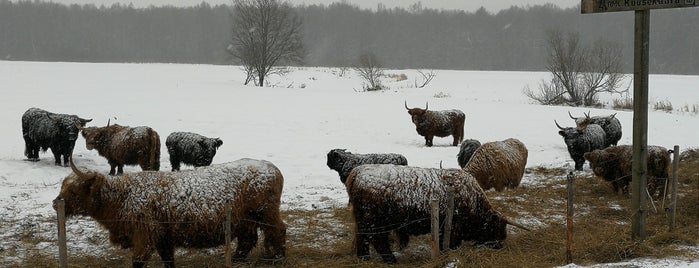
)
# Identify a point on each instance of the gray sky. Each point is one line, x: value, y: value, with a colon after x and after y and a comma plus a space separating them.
x: 468, y: 5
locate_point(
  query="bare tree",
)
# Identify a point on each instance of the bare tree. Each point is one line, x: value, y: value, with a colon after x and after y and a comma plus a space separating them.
x: 427, y: 77
x: 579, y: 73
x: 371, y: 70
x: 265, y: 33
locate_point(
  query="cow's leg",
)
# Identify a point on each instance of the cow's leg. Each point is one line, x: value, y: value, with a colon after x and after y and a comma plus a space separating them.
x: 428, y: 141
x: 56, y: 156
x: 112, y: 169
x: 175, y: 163
x: 403, y: 240
x: 31, y: 151
x: 120, y: 169
x: 274, y: 230
x: 141, y: 250
x: 167, y: 252
x: 66, y: 158
x: 361, y: 240
x: 381, y: 245
x: 579, y: 164
x: 247, y: 239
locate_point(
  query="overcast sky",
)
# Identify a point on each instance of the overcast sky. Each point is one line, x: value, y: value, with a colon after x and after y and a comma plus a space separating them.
x: 469, y: 5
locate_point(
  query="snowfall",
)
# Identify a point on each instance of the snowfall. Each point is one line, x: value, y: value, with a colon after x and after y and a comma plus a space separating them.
x: 293, y: 122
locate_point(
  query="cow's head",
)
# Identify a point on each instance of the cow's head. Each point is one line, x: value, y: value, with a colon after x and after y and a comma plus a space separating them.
x: 417, y: 113
x: 336, y: 159
x: 468, y: 147
x: 208, y: 147
x: 68, y: 126
x: 78, y: 190
x: 92, y: 136
x: 597, y: 159
x: 569, y: 134
x: 493, y: 231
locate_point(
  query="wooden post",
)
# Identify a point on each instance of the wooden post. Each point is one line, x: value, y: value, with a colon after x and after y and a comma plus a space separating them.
x: 640, y: 124
x: 60, y: 205
x: 569, y: 218
x: 227, y: 228
x: 675, y: 174
x: 435, y: 228
x: 448, y: 219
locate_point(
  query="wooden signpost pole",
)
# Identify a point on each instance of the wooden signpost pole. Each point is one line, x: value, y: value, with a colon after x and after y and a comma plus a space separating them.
x: 640, y: 94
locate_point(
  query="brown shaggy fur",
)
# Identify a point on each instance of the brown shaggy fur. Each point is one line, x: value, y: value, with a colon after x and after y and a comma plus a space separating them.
x: 388, y: 198
x: 153, y: 210
x: 438, y: 123
x: 123, y: 145
x: 614, y: 164
x: 498, y: 164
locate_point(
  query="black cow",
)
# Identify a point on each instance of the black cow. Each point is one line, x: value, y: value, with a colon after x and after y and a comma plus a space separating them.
x: 191, y: 149
x: 43, y: 130
x: 610, y: 124
x: 580, y: 141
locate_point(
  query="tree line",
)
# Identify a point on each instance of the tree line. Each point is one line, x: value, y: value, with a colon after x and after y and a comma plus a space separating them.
x: 338, y: 34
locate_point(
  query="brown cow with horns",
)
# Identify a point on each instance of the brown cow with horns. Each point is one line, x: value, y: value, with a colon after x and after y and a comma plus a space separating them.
x: 159, y: 211
x: 123, y: 145
x: 438, y: 123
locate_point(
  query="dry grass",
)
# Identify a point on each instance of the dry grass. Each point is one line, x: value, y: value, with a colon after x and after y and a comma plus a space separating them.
x: 602, y: 232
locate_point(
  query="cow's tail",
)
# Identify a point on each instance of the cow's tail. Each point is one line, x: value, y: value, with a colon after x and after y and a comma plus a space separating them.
x: 155, y: 151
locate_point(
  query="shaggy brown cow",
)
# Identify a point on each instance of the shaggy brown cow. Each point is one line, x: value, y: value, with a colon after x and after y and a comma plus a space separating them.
x: 438, y: 123
x: 498, y: 164
x: 161, y: 211
x: 614, y: 164
x: 388, y: 198
x: 123, y: 145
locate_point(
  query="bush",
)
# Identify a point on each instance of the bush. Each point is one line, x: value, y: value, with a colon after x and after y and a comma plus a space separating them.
x: 663, y: 106
x: 625, y: 103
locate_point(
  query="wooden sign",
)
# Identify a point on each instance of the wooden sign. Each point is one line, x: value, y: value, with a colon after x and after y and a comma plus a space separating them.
x: 598, y: 6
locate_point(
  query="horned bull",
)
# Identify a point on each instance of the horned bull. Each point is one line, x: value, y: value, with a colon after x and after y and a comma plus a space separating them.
x: 160, y: 211
x: 438, y: 123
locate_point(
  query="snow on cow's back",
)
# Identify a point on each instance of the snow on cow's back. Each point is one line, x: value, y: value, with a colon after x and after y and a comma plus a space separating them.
x: 199, y: 192
x: 414, y: 187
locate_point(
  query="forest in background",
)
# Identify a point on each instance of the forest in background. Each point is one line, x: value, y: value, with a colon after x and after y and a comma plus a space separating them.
x: 335, y: 35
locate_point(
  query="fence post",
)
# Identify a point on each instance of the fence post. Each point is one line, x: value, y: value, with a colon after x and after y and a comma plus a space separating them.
x: 675, y: 173
x: 227, y: 228
x: 60, y: 205
x: 435, y: 228
x: 569, y: 218
x: 448, y: 218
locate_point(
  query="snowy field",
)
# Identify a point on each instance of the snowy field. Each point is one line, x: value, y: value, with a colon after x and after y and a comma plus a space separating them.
x: 293, y: 123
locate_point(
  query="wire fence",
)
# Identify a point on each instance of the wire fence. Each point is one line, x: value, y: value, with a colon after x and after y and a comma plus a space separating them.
x: 442, y: 225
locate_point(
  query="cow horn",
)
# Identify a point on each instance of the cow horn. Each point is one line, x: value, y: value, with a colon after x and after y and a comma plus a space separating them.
x: 108, y: 121
x: 85, y: 121
x: 516, y: 225
x: 426, y: 105
x: 559, y: 126
x: 75, y: 169
x: 587, y: 115
x: 571, y: 116
x: 406, y: 105
x: 612, y: 116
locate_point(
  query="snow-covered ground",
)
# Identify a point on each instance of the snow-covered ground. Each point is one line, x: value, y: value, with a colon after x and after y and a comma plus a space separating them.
x: 293, y: 123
